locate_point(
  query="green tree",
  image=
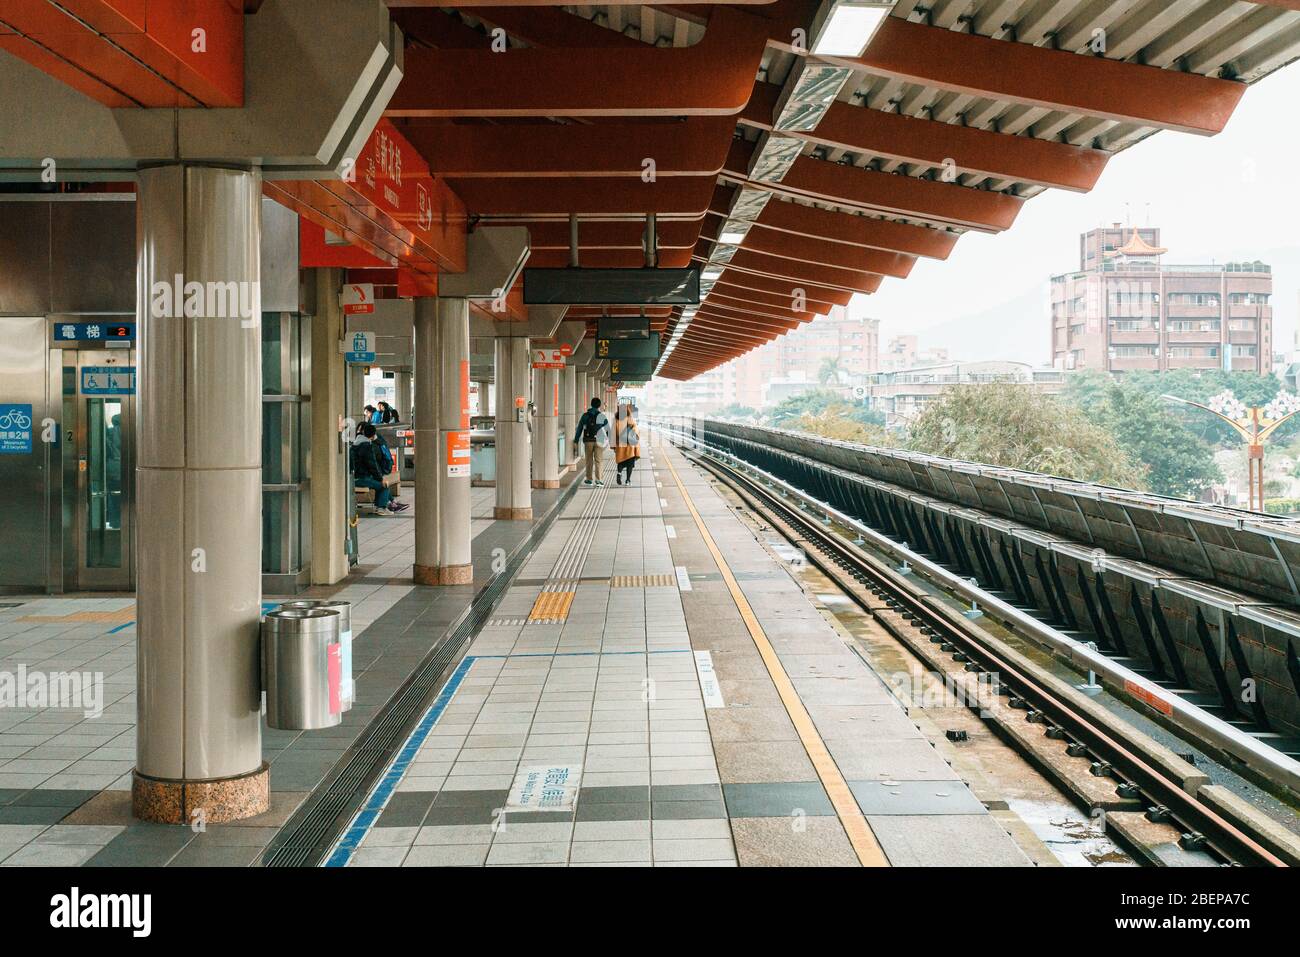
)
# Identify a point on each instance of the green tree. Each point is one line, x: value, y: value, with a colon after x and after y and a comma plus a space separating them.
x: 1087, y: 389
x: 1014, y: 426
x: 1199, y: 386
x: 1176, y: 460
x: 737, y: 411
x: 814, y: 402
x: 829, y: 373
x: 833, y: 424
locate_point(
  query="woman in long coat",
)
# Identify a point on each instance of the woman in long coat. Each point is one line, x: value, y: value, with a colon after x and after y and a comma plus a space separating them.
x: 627, y: 444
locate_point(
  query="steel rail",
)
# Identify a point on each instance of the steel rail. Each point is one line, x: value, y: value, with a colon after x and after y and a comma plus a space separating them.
x: 1259, y: 758
x: 1223, y: 838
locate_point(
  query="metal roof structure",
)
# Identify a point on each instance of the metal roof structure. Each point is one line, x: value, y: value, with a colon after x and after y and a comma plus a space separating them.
x: 794, y: 165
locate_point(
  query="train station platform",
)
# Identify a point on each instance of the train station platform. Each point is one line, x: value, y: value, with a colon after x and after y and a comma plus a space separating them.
x: 656, y: 689
x: 653, y: 687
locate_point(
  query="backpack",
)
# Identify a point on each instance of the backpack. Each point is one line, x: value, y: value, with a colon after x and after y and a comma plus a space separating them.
x: 591, y: 425
x: 385, y: 459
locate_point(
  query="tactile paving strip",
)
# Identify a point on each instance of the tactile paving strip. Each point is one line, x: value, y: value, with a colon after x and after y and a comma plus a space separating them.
x: 552, y: 605
x: 643, y: 581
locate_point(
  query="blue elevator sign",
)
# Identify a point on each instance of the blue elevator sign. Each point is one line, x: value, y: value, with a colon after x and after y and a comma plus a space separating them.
x: 107, y: 380
x: 362, y: 348
x: 108, y: 332
x: 15, y: 430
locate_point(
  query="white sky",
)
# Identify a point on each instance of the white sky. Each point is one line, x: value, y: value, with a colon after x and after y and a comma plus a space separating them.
x: 1231, y: 196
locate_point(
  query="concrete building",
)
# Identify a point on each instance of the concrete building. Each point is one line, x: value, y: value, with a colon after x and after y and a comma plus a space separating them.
x: 796, y: 361
x: 1126, y: 309
x: 905, y: 352
x: 902, y: 394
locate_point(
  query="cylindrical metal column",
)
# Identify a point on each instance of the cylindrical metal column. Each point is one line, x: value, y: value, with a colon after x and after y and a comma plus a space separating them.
x: 568, y: 417
x: 455, y: 564
x: 546, y: 462
x: 199, y: 481
x: 484, y: 398
x: 426, y: 416
x: 514, y: 494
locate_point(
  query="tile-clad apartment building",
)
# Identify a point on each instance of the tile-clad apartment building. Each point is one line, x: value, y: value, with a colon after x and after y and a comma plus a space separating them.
x: 1126, y: 309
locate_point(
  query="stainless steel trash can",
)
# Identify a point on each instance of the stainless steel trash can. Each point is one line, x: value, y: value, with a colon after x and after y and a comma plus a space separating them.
x: 344, y: 608
x: 301, y: 668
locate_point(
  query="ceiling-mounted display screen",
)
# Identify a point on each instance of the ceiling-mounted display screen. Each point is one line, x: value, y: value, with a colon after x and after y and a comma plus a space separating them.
x: 627, y: 348
x: 622, y: 327
x: 631, y: 368
x: 575, y: 286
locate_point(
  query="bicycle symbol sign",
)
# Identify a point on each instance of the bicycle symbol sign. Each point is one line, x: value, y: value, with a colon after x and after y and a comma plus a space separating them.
x: 15, y: 429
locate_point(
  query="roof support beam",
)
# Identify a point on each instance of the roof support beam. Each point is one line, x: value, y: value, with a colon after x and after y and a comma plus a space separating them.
x: 696, y: 147
x: 1052, y: 79
x: 682, y: 197
x: 802, y: 272
x: 784, y: 289
x: 723, y: 294
x: 609, y: 258
x: 839, y: 255
x: 800, y: 275
x: 712, y: 78
x: 892, y: 193
x: 833, y: 226
x: 604, y: 234
x: 929, y: 143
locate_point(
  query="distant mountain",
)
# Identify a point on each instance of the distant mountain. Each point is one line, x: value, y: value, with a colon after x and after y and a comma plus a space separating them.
x: 1017, y: 330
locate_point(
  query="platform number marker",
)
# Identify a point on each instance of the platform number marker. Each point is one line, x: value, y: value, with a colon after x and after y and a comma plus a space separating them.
x: 708, y: 680
x: 683, y: 579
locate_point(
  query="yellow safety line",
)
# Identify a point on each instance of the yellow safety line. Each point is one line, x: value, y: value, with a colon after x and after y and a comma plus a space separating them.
x: 846, y: 807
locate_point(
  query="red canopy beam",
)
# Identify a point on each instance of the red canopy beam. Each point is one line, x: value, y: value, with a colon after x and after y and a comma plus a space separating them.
x: 712, y: 78
x: 695, y: 147
x: 686, y: 197
x: 833, y: 226
x: 681, y: 234
x: 838, y: 255
x: 803, y: 274
x: 925, y: 142
x: 1053, y: 79
x: 886, y: 192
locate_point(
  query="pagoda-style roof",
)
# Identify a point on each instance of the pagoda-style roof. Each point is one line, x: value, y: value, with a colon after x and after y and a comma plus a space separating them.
x: 1137, y: 246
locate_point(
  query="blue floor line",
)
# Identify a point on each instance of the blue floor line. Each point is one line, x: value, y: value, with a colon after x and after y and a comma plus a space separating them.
x: 378, y: 797
x: 114, y: 631
x: 365, y: 819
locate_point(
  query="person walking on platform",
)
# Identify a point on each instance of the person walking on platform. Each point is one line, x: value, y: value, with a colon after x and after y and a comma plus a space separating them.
x: 593, y: 430
x: 627, y: 444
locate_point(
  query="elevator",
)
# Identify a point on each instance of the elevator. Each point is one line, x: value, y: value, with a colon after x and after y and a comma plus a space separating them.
x: 67, y: 453
x: 98, y: 468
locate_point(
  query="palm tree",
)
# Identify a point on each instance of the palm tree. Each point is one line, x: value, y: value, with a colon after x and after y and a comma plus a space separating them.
x: 829, y: 372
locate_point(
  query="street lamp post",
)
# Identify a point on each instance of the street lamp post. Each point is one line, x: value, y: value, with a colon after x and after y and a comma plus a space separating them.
x: 1254, y: 424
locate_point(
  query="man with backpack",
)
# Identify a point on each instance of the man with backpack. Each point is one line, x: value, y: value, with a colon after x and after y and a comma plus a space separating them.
x: 593, y: 430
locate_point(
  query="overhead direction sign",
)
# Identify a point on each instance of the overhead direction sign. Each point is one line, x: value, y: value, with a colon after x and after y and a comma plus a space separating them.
x: 623, y: 327
x: 628, y: 348
x: 360, y: 348
x: 631, y: 368
x: 358, y: 298
x: 549, y: 358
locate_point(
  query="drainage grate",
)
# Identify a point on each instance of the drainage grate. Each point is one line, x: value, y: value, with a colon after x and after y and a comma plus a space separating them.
x: 311, y: 832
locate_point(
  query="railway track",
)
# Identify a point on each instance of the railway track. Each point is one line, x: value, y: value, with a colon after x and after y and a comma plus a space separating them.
x: 1145, y: 777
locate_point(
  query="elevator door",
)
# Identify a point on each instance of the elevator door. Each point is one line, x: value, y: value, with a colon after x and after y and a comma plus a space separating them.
x: 102, y: 449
